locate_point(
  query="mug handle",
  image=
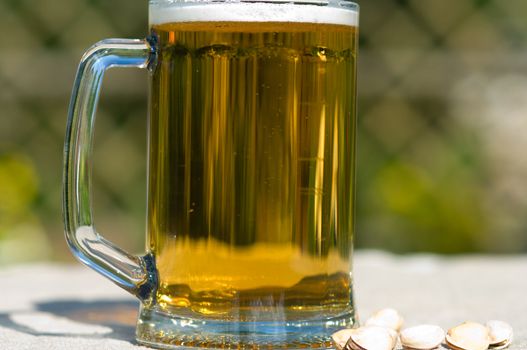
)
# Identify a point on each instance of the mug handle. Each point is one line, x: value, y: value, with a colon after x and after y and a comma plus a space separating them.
x: 136, y: 274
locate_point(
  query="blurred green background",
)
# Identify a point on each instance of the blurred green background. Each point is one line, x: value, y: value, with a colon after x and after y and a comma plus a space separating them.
x: 442, y: 125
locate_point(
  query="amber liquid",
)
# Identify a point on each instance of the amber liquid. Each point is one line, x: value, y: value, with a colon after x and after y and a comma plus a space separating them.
x: 251, y: 169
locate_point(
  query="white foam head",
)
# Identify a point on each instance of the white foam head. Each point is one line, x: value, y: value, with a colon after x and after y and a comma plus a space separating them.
x: 173, y: 12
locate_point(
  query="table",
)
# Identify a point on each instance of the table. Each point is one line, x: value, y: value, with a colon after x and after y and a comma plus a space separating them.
x: 56, y: 307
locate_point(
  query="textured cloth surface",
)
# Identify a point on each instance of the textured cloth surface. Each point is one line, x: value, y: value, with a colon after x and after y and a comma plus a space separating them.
x: 54, y: 307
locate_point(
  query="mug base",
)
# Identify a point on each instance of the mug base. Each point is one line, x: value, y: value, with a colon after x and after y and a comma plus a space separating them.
x: 163, y: 331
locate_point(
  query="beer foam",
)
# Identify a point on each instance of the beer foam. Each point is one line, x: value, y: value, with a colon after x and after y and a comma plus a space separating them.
x: 251, y: 12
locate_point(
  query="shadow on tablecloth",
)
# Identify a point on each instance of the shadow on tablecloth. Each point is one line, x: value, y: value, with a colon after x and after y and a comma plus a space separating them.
x: 73, y: 318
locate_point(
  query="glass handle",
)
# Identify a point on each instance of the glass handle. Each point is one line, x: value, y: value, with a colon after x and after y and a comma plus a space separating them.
x: 136, y: 274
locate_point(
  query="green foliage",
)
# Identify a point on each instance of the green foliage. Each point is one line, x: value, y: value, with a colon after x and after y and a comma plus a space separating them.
x: 441, y: 215
x: 18, y: 189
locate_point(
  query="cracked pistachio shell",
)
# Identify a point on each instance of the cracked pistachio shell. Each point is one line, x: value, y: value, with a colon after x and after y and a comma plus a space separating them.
x: 341, y: 338
x: 500, y: 334
x: 468, y: 336
x: 373, y: 338
x: 389, y: 318
x: 423, y: 337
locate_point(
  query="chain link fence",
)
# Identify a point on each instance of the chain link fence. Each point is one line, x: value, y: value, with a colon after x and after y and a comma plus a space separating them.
x: 442, y: 104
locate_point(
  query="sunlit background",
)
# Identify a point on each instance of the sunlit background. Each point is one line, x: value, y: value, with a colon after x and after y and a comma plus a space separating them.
x: 442, y: 125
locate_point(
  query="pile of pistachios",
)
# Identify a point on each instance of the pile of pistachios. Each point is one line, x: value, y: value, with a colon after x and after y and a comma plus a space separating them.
x: 384, y: 331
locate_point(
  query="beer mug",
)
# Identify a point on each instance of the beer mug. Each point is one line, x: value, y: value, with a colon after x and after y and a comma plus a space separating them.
x: 251, y: 160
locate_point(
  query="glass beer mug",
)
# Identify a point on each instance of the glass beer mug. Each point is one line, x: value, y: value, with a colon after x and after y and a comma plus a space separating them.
x: 251, y: 160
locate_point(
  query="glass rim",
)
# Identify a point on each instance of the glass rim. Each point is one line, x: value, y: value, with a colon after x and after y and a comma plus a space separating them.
x: 342, y: 3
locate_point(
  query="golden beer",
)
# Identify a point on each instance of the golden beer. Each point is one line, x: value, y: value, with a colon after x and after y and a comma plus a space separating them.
x: 250, y: 173
x: 251, y: 169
